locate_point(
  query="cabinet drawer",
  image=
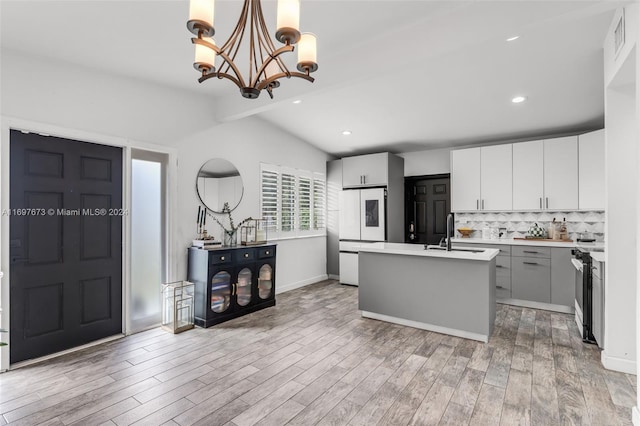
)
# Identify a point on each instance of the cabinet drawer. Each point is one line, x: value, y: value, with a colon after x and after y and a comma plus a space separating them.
x: 266, y: 252
x: 503, y: 293
x: 531, y: 251
x: 245, y: 255
x: 219, y: 257
x: 531, y: 279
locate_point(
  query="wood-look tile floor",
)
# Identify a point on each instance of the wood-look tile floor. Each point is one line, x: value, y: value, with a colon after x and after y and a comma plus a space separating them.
x: 313, y: 360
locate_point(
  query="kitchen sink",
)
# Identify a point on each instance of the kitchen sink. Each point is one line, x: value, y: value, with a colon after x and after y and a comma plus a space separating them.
x: 468, y: 250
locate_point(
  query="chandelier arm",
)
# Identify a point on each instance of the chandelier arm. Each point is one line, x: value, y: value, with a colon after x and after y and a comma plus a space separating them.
x: 221, y: 75
x: 265, y: 83
x: 225, y: 57
x: 273, y: 56
x: 239, y: 27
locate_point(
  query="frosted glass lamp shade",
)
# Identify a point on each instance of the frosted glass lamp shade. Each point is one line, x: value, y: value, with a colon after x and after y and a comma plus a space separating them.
x: 307, y: 53
x: 288, y: 21
x: 201, y: 17
x: 205, y: 57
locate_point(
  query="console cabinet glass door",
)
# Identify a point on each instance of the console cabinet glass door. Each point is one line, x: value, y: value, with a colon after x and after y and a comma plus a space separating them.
x: 220, y: 291
x: 243, y: 288
x: 265, y: 281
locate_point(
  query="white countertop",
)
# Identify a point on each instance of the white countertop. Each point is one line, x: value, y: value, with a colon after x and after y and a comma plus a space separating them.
x: 418, y: 250
x: 598, y: 256
x: 539, y: 243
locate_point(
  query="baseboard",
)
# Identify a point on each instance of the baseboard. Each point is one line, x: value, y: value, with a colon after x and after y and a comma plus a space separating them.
x: 537, y: 305
x: 635, y: 416
x: 334, y: 277
x: 618, y: 364
x: 425, y: 326
x: 299, y: 284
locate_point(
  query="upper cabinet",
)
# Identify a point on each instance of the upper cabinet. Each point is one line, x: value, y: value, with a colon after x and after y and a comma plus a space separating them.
x: 528, y: 175
x: 561, y: 173
x: 365, y: 170
x: 481, y: 178
x: 495, y: 177
x: 591, y: 170
x: 465, y: 179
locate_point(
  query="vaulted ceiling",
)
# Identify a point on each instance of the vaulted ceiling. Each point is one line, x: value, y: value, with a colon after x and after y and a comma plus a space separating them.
x: 400, y: 75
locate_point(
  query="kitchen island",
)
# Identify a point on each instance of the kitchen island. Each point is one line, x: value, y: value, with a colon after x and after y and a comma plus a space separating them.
x: 450, y: 292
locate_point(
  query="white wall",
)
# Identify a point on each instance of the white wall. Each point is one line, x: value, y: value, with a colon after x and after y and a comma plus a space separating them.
x: 431, y: 162
x: 621, y: 220
x: 246, y: 143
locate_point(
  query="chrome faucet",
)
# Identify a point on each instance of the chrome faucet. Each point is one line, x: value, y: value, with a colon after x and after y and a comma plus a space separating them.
x: 449, y: 230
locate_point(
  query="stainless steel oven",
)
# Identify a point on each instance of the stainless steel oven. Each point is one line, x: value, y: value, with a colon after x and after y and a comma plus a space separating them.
x: 584, y: 293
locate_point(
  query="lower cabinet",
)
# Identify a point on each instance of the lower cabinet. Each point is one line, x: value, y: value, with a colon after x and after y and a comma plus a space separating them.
x: 563, y: 277
x: 231, y: 282
x: 531, y: 279
x: 597, y: 308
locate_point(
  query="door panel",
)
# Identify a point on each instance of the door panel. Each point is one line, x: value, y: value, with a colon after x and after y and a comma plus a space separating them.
x: 373, y: 214
x: 349, y: 228
x: 429, y: 203
x: 66, y: 262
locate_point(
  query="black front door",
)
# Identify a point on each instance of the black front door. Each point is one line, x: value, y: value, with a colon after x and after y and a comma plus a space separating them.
x: 66, y: 244
x: 427, y: 206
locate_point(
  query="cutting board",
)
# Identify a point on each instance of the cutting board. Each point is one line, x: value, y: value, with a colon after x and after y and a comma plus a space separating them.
x: 544, y: 239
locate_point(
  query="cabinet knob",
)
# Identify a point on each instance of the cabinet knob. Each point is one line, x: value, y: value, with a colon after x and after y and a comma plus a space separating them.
x: 267, y: 252
x: 246, y: 255
x: 221, y: 257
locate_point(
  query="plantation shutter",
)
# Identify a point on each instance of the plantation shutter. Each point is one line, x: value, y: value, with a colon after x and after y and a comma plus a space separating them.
x: 269, y: 199
x: 319, y: 203
x: 288, y: 205
x: 304, y: 203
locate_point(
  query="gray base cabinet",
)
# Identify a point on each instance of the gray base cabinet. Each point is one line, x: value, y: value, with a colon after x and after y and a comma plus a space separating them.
x: 503, y: 277
x: 531, y: 279
x: 562, y: 277
x: 598, y: 303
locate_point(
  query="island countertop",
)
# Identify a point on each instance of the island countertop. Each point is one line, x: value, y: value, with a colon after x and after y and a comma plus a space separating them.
x: 539, y: 243
x: 418, y: 250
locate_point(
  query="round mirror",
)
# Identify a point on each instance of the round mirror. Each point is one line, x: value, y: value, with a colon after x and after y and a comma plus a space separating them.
x: 219, y: 182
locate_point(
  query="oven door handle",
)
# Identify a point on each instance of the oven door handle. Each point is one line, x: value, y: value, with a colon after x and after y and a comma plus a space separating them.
x: 577, y: 264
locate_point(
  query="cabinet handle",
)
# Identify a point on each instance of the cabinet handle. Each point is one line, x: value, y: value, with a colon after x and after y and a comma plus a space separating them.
x: 547, y: 198
x: 482, y: 204
x: 527, y: 251
x: 477, y: 204
x: 499, y: 286
x: 541, y: 202
x: 499, y: 266
x: 246, y: 255
x: 529, y: 263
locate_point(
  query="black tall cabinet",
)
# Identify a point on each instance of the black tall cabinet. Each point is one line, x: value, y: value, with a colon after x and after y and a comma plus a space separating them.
x: 231, y: 281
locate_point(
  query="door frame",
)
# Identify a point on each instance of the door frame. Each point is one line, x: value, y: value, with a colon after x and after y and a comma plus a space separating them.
x: 10, y: 123
x: 410, y: 181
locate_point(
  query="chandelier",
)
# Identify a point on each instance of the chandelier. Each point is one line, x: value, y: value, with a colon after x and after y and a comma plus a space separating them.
x: 266, y: 66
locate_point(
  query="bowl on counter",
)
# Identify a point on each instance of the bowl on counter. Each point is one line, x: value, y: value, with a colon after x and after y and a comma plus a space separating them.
x: 465, y: 232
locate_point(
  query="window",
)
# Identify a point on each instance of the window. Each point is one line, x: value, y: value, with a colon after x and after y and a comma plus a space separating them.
x: 292, y: 201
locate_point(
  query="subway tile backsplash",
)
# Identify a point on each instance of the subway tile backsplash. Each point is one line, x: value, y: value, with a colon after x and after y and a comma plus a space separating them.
x: 518, y: 223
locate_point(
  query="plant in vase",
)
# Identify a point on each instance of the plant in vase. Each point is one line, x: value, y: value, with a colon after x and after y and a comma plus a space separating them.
x: 230, y: 234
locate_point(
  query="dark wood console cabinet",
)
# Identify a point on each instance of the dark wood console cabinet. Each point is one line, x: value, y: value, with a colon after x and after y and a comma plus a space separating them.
x: 231, y: 281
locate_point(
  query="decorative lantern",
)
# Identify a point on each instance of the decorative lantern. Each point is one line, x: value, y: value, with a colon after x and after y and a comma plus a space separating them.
x: 254, y: 232
x: 177, y: 306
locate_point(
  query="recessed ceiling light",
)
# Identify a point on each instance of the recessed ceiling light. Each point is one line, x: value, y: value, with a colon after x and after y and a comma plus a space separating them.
x: 519, y: 99
x: 346, y: 132
x: 297, y: 101
x: 513, y: 38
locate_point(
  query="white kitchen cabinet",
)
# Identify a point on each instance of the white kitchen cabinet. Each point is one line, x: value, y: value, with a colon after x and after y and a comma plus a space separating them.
x: 561, y: 173
x: 365, y: 170
x: 496, y: 178
x: 528, y: 175
x: 591, y: 171
x: 465, y: 179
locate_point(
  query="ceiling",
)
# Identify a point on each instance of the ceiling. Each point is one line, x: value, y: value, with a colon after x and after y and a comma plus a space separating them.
x: 401, y: 75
